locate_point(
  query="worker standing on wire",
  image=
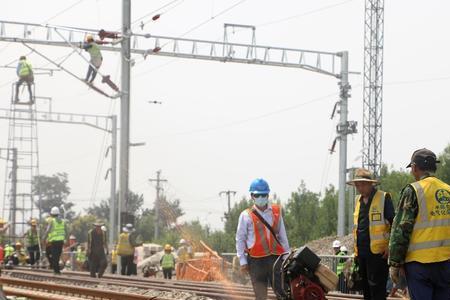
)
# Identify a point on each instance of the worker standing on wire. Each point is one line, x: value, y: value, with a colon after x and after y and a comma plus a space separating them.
x: 24, y: 71
x: 420, y: 238
x: 372, y: 219
x: 55, y: 235
x: 260, y: 239
x: 32, y: 243
x: 96, y: 57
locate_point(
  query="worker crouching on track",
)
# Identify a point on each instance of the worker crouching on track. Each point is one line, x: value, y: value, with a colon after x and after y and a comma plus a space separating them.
x: 260, y: 239
x: 32, y: 243
x: 55, y: 235
x: 97, y: 249
x: 420, y: 238
x: 372, y: 219
x: 167, y: 262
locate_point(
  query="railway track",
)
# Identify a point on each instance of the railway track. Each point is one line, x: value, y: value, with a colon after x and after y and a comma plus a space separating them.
x: 78, y: 285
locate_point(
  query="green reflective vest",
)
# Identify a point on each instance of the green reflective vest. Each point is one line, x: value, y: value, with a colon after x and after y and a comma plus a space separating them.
x: 167, y: 261
x: 94, y: 50
x: 31, y: 238
x: 25, y: 68
x: 341, y: 263
x: 81, y: 255
x: 58, y: 232
x: 9, y: 250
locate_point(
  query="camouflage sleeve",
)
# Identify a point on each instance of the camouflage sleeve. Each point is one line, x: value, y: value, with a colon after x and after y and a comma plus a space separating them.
x: 402, y: 226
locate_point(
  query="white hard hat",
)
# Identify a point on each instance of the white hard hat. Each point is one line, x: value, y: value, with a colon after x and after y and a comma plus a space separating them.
x: 54, y: 211
x: 343, y: 249
x: 336, y: 244
x: 182, y: 241
x: 103, y: 228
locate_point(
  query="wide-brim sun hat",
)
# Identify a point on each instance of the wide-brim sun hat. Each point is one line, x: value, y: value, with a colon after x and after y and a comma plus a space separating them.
x: 363, y: 175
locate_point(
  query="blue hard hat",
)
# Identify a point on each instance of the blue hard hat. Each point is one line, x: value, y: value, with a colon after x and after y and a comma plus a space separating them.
x: 259, y: 186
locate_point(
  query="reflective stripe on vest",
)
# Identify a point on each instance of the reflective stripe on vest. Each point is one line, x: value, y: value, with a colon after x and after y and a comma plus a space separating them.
x: 263, y: 246
x: 341, y: 263
x: 124, y: 247
x: 167, y: 261
x: 114, y: 257
x: 32, y: 238
x: 379, y: 227
x: 58, y: 232
x: 430, y: 239
x: 81, y: 255
x: 25, y: 68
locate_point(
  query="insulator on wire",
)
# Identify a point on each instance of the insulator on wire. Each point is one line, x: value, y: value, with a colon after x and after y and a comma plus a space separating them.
x: 156, y: 17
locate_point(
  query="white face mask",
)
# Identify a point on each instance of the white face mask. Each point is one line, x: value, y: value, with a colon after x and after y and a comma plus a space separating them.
x: 262, y: 201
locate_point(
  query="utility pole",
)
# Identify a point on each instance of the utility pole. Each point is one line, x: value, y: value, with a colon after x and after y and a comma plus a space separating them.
x: 125, y: 107
x: 344, y: 128
x: 12, y: 231
x: 112, y: 204
x: 158, y: 181
x: 228, y: 193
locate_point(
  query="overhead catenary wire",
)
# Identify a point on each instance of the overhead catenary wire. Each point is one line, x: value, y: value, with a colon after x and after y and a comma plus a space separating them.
x: 190, y: 31
x: 50, y: 18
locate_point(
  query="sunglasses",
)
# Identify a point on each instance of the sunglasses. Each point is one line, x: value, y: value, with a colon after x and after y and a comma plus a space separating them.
x: 260, y: 195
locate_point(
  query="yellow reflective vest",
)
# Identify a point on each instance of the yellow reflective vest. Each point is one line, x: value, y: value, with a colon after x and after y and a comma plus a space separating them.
x: 430, y: 239
x: 58, y: 232
x: 379, y: 227
x: 114, y: 257
x: 124, y: 247
x: 25, y: 68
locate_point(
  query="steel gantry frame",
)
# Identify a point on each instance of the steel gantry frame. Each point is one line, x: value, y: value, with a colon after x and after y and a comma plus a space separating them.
x: 333, y: 64
x: 104, y: 123
x: 373, y: 85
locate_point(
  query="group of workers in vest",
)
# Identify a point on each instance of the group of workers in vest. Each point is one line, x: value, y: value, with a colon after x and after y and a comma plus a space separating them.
x: 25, y: 73
x: 412, y: 243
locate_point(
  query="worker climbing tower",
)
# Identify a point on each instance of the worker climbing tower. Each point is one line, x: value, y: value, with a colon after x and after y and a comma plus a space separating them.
x: 22, y: 164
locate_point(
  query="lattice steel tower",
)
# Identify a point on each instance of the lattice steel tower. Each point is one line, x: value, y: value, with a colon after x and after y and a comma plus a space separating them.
x: 373, y: 85
x: 20, y: 203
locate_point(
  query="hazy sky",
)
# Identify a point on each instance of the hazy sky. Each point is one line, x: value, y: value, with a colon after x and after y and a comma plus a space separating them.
x: 196, y: 136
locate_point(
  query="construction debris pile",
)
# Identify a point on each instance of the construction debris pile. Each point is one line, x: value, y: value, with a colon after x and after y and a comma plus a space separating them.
x: 323, y: 246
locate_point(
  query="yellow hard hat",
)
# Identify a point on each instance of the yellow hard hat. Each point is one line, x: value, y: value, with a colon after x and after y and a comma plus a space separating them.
x: 19, y: 244
x: 167, y: 247
x: 33, y: 222
x: 2, y: 221
x: 89, y: 37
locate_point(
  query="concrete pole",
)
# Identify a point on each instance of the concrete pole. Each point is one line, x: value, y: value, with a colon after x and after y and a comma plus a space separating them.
x: 343, y: 131
x: 158, y: 187
x: 112, y: 204
x: 13, y: 211
x: 124, y: 107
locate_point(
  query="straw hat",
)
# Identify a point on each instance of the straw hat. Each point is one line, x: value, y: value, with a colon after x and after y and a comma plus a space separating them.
x: 362, y: 175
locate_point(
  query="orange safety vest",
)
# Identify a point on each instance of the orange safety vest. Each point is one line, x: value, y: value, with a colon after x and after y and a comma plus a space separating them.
x: 265, y: 243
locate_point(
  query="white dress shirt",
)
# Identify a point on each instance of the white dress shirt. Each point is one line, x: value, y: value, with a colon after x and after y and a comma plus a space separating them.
x: 245, y: 235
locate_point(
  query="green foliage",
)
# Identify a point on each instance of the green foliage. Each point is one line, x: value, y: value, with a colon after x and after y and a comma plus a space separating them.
x: 327, y: 221
x: 443, y: 170
x: 81, y: 225
x: 302, y: 213
x: 53, y: 191
x: 233, y: 218
x: 393, y: 181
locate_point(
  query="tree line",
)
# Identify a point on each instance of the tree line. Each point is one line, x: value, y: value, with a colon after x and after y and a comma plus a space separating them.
x: 308, y: 215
